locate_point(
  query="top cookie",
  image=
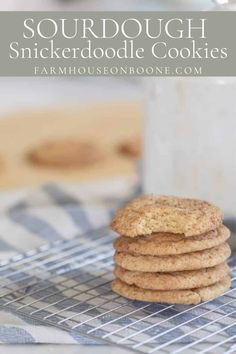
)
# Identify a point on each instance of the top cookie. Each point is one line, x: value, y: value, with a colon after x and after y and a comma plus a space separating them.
x: 148, y: 214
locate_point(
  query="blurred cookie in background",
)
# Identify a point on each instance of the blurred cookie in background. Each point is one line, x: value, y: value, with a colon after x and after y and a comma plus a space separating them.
x: 131, y: 148
x: 63, y: 153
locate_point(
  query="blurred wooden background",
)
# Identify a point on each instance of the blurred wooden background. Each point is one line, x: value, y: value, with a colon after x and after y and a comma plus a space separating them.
x: 105, y: 124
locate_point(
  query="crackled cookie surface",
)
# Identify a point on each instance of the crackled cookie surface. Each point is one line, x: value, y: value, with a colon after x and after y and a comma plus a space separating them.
x: 152, y: 214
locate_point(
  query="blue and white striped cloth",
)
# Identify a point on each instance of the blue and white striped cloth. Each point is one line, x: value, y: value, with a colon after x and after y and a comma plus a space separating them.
x: 31, y: 218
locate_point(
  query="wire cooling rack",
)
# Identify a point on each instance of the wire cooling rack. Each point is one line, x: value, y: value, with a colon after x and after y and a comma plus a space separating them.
x: 67, y: 284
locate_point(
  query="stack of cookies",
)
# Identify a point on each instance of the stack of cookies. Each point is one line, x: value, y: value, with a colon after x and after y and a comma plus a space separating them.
x: 170, y: 250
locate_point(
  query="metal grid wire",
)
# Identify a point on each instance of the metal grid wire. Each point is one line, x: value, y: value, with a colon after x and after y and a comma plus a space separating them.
x: 67, y: 284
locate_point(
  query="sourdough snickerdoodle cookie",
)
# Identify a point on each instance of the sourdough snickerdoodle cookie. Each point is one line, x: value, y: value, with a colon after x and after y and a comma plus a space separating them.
x: 171, y: 250
x: 188, y: 279
x: 66, y: 153
x: 187, y: 261
x: 152, y: 214
x: 164, y: 244
x: 187, y: 297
